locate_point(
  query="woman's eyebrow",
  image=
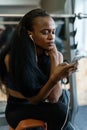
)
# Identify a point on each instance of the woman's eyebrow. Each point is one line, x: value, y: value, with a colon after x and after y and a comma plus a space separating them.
x: 48, y: 29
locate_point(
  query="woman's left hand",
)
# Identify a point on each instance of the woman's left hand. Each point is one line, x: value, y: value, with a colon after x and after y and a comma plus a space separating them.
x: 74, y: 69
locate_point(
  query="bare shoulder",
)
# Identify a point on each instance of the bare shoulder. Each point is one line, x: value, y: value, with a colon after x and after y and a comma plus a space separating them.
x: 6, y: 61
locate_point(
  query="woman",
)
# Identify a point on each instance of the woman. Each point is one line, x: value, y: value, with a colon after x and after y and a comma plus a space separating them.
x: 32, y: 68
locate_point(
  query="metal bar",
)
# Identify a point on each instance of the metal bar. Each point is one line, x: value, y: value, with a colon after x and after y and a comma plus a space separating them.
x: 8, y: 22
x: 63, y: 15
x: 53, y: 15
x: 11, y: 15
x: 79, y: 15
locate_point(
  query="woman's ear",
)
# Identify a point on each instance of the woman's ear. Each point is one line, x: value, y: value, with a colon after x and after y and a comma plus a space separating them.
x: 31, y: 37
x: 30, y: 34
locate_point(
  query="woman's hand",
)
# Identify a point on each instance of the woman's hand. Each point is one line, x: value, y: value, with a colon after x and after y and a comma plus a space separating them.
x: 55, y: 56
x: 74, y: 69
x: 63, y: 70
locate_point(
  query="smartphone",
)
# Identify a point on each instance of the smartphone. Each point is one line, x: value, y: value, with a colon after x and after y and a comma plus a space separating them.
x: 77, y: 58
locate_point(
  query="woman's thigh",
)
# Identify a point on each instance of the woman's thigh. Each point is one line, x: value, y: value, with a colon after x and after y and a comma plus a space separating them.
x: 52, y: 113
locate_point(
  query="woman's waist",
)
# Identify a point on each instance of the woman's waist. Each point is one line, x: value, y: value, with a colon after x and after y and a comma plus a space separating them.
x: 15, y: 101
x: 15, y: 93
x: 16, y: 97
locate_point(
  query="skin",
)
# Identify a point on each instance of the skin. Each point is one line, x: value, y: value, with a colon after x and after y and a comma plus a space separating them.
x: 43, y: 35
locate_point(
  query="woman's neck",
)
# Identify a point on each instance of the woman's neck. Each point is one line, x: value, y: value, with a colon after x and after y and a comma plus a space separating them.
x: 39, y: 50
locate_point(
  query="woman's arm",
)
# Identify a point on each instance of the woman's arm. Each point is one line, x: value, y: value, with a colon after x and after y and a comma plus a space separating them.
x: 56, y: 59
x: 59, y: 72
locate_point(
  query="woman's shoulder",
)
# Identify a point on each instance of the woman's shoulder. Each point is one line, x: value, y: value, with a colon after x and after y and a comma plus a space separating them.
x: 6, y: 61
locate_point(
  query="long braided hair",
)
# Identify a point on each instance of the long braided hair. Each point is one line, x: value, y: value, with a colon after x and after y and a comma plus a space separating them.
x: 23, y: 68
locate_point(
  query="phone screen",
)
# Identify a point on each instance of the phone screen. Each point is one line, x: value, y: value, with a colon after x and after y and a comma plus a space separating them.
x: 77, y: 58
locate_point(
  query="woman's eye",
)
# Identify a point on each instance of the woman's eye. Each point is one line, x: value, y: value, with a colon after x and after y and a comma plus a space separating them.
x: 45, y: 32
x: 53, y: 32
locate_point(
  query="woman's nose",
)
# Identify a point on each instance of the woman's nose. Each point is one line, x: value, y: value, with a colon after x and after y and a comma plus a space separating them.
x: 51, y: 36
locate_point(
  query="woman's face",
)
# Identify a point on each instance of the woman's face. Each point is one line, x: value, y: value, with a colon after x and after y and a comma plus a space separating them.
x: 43, y: 32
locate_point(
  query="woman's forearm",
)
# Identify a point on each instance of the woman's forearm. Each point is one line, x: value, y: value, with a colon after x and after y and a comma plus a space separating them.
x: 43, y: 93
x: 56, y: 92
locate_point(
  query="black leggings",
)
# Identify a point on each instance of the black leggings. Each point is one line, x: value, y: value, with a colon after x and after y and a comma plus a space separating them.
x: 19, y: 109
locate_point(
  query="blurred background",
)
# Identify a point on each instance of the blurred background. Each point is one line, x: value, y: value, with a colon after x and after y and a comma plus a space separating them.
x: 71, y: 29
